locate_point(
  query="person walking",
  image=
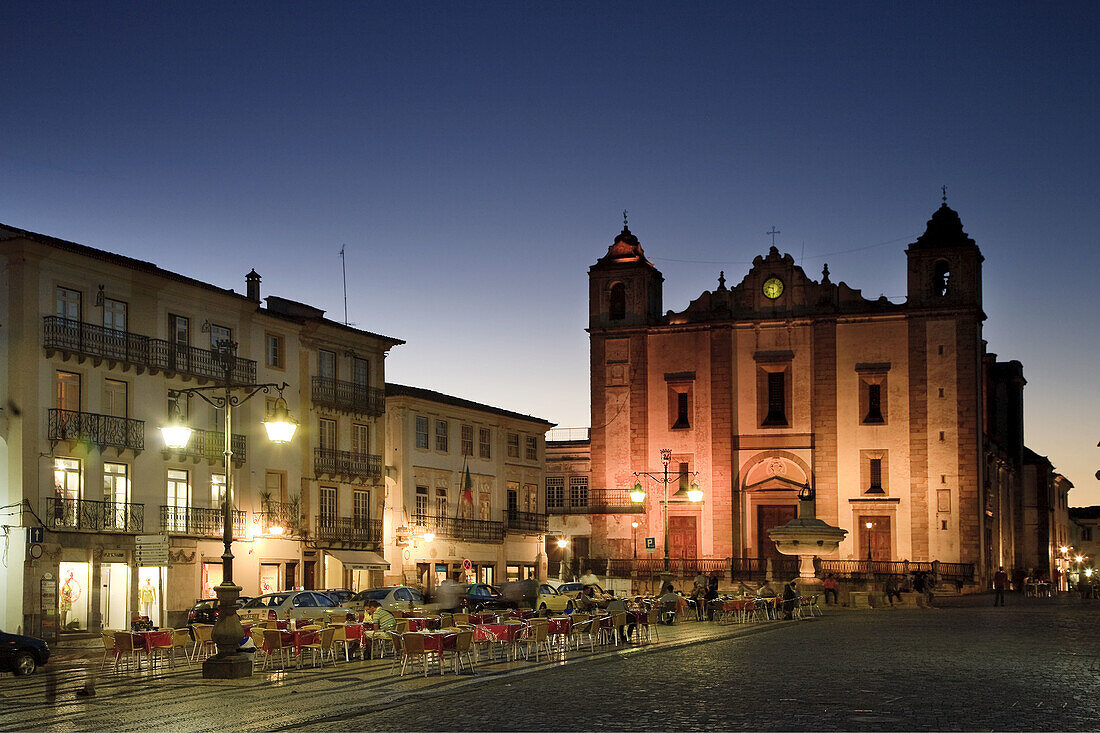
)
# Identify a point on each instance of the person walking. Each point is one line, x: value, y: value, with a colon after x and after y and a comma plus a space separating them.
x: 1000, y: 580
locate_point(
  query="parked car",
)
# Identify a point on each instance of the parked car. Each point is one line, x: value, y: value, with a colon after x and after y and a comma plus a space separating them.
x: 340, y: 595
x: 472, y: 597
x: 22, y: 654
x: 572, y: 590
x: 542, y: 597
x: 205, y: 611
x: 293, y: 604
x: 392, y: 597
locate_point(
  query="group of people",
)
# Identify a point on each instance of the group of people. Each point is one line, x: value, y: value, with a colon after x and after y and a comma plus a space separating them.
x: 704, y: 590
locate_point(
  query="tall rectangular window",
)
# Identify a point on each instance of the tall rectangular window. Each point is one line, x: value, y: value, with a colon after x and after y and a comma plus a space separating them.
x: 360, y: 372
x: 441, y: 436
x: 116, y: 494
x: 421, y: 501
x: 114, y: 398
x: 875, y: 470
x: 68, y: 391
x: 484, y: 437
x: 555, y: 492
x: 531, y: 498
x: 360, y: 509
x: 326, y: 364
x: 532, y: 448
x: 484, y: 506
x: 217, y: 490
x: 114, y: 314
x: 513, y: 496
x: 440, y: 502
x: 684, y: 475
x: 578, y: 491
x: 66, y: 478
x: 274, y: 348
x: 326, y: 507
x: 68, y: 304
x: 178, y: 500
x: 275, y: 485
x: 220, y: 336
x: 468, y: 440
x: 513, y: 445
x: 421, y: 432
x: 180, y: 330
x: 360, y: 439
x: 326, y: 435
x: 777, y: 399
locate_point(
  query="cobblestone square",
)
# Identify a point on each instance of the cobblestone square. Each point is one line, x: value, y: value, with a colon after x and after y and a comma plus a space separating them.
x: 1033, y: 665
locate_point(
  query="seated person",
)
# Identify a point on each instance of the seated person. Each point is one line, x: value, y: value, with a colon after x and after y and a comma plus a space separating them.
x: 585, y: 600
x: 891, y: 589
x: 668, y: 602
x: 383, y: 618
x: 766, y: 591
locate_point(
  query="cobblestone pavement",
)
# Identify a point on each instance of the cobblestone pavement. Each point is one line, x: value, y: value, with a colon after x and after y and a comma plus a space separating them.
x: 1034, y: 665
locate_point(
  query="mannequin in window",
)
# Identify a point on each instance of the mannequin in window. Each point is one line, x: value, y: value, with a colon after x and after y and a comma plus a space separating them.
x: 147, y: 598
x: 66, y: 597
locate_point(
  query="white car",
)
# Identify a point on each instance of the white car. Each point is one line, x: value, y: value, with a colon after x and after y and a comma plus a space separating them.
x: 293, y: 604
x: 393, y: 598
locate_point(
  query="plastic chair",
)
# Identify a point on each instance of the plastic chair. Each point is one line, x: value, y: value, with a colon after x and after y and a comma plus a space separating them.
x: 257, y: 635
x: 203, y: 639
x: 273, y: 646
x: 322, y: 643
x: 108, y: 646
x: 398, y: 647
x: 124, y: 650
x: 463, y: 644
x: 340, y: 637
x: 160, y: 644
x: 412, y: 645
x: 537, y: 634
x: 180, y: 639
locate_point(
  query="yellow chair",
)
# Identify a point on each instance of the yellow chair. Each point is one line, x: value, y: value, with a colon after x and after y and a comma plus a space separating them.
x: 108, y: 646
x: 273, y: 647
x: 203, y: 639
x: 180, y: 639
x: 412, y: 645
x: 537, y: 634
x: 125, y: 651
x: 322, y: 645
x: 463, y: 645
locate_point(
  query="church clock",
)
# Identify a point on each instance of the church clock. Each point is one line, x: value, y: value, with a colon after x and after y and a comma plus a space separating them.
x: 773, y: 288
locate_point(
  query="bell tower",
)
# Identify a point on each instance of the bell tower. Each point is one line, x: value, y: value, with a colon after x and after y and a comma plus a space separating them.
x: 624, y: 289
x: 944, y: 264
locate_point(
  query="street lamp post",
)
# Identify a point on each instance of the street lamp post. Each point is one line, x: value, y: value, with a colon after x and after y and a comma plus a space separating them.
x: 634, y: 541
x: 693, y: 492
x: 229, y: 662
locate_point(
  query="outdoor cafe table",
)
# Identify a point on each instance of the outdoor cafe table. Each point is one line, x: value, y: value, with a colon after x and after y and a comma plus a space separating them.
x: 504, y: 633
x: 559, y: 625
x: 299, y: 638
x: 417, y: 623
x: 483, y: 618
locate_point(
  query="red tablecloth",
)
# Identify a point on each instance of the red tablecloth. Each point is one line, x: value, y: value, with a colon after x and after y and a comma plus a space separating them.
x: 299, y: 638
x: 435, y: 641
x: 353, y: 632
x: 482, y: 618
x: 638, y: 617
x: 524, y: 613
x: 500, y: 632
x: 147, y: 639
x: 420, y: 623
x: 743, y: 605
x: 560, y: 625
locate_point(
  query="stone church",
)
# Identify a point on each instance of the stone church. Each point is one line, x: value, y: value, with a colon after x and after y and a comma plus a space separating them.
x: 781, y: 382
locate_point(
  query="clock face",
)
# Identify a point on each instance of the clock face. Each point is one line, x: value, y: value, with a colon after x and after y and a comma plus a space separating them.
x: 773, y: 288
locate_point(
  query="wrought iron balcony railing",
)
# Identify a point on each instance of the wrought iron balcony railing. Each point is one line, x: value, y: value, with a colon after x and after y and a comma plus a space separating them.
x: 350, y: 530
x: 210, y: 445
x: 526, y: 521
x: 198, y: 521
x: 102, y: 430
x: 143, y: 352
x: 281, y: 514
x: 456, y: 528
x: 94, y: 516
x: 594, y: 501
x: 349, y: 396
x: 347, y: 464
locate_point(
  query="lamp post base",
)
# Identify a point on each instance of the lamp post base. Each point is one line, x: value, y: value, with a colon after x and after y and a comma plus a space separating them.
x: 228, y: 667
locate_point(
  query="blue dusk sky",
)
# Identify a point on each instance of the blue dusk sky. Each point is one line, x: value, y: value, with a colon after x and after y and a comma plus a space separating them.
x: 475, y: 157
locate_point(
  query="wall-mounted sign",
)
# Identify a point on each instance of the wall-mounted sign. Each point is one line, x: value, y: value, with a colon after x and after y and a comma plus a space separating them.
x: 152, y: 550
x: 113, y: 556
x: 36, y: 535
x: 35, y: 551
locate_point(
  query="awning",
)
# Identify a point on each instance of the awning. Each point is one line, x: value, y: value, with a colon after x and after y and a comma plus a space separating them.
x: 360, y: 559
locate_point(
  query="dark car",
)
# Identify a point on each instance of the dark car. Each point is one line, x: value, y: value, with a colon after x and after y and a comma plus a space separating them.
x: 206, y: 610
x: 340, y: 595
x: 477, y: 597
x: 22, y: 654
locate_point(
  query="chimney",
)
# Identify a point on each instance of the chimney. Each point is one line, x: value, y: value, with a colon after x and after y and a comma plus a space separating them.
x: 252, y: 285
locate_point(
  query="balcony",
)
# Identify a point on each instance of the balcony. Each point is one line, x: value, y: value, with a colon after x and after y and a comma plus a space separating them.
x: 105, y: 431
x: 345, y: 464
x: 349, y: 396
x: 210, y: 445
x: 596, y: 501
x: 94, y: 516
x: 198, y: 521
x: 349, y: 530
x: 518, y: 521
x: 455, y: 528
x: 281, y: 514
x: 86, y: 340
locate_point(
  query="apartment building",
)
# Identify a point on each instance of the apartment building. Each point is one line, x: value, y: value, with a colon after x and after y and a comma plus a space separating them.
x: 93, y: 345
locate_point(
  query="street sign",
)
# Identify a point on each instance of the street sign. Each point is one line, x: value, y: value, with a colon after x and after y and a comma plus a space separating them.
x: 651, y: 543
x: 151, y: 550
x: 36, y: 535
x: 467, y: 565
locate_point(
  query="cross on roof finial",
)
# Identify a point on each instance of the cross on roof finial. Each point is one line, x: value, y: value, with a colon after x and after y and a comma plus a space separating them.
x: 944, y: 189
x: 624, y: 218
x: 773, y: 232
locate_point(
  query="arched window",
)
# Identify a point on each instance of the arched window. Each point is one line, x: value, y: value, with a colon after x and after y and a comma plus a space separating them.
x: 617, y: 311
x: 941, y: 278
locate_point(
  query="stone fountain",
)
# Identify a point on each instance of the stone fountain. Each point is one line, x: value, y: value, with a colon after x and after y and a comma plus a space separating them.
x: 806, y: 537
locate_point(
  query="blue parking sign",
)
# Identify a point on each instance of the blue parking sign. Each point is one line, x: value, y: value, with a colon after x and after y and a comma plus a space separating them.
x: 651, y: 543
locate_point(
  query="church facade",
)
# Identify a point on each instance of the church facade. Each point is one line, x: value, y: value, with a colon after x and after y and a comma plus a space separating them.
x: 782, y: 382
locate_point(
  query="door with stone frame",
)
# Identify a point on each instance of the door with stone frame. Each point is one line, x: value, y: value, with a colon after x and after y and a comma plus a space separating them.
x: 683, y: 537
x: 770, y: 516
